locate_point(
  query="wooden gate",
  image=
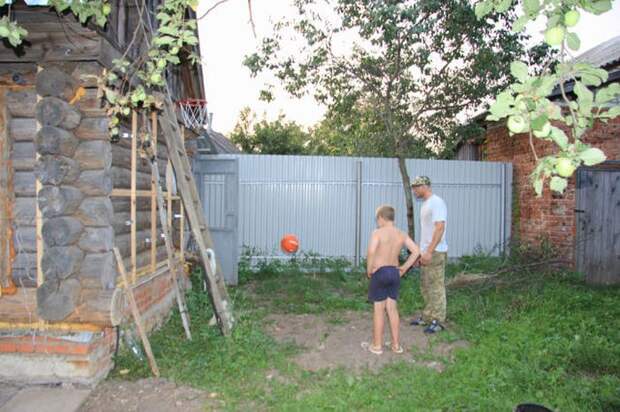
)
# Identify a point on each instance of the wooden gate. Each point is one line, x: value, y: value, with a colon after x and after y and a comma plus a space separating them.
x: 598, y: 223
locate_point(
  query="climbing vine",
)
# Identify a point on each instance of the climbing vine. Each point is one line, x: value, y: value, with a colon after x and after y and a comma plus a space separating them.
x: 526, y: 105
x: 175, y: 35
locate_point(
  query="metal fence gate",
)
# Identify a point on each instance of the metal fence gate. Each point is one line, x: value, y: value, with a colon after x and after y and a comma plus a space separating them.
x: 218, y: 186
x: 329, y: 202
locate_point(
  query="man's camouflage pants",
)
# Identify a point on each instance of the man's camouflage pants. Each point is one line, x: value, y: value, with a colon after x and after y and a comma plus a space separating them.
x: 434, y: 289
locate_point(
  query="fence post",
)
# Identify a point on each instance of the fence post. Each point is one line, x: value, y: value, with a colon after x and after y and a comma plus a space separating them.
x: 507, y: 222
x: 358, y: 212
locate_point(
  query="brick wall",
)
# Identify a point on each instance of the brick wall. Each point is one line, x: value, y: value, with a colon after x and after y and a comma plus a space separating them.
x: 551, y: 216
x: 48, y: 356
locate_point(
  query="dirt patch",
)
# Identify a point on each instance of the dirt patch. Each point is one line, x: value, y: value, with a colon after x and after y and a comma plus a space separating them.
x: 332, y: 342
x: 152, y: 395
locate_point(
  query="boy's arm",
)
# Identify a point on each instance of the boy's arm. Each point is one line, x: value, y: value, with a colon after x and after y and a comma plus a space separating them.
x: 414, y: 253
x: 373, y: 244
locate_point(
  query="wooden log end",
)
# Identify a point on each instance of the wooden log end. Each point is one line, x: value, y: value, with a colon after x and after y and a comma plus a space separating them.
x: 54, y: 82
x: 61, y: 231
x: 56, y: 300
x: 60, y: 263
x: 56, y: 141
x: 59, y: 201
x: 56, y: 170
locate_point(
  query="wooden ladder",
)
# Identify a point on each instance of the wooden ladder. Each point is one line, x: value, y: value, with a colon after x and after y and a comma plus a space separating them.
x: 172, y: 265
x: 188, y: 191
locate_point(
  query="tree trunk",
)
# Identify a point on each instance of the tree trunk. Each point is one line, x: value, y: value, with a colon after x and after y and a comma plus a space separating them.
x: 402, y: 166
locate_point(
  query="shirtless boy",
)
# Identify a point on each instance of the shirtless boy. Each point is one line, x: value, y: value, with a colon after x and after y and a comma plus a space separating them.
x: 382, y: 268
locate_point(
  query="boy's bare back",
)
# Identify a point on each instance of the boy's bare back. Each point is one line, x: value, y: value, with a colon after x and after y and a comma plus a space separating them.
x: 389, y: 242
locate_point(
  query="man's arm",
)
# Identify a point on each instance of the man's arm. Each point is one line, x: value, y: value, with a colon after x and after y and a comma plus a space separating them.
x: 438, y: 230
x: 373, y: 244
x: 414, y: 253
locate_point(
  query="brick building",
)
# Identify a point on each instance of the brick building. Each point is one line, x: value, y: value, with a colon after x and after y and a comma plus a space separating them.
x: 553, y: 217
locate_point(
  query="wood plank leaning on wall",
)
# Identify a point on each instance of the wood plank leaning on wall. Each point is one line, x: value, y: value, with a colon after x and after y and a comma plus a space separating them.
x: 7, y: 199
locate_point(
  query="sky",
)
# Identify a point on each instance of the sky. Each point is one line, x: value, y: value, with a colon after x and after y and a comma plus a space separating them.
x: 226, y: 37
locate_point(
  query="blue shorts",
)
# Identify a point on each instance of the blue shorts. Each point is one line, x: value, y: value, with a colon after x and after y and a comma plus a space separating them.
x: 384, y: 283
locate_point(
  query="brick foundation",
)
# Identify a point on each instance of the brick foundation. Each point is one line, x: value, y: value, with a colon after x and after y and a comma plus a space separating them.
x: 48, y: 356
x: 549, y: 217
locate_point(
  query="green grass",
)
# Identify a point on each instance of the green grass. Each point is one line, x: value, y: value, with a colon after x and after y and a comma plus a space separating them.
x: 547, y: 339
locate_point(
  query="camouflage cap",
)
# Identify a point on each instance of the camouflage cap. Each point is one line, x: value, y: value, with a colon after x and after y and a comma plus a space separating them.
x: 421, y: 181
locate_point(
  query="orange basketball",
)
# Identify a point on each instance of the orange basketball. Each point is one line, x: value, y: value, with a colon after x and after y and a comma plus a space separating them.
x: 289, y: 244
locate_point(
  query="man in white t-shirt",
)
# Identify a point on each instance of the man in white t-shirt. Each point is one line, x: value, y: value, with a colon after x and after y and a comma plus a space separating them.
x: 434, y: 221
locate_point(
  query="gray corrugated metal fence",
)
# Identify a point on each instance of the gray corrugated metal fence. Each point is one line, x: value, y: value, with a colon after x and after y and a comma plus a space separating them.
x: 326, y: 201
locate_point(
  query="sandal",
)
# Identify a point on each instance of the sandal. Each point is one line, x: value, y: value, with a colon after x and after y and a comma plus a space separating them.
x: 398, y: 350
x: 367, y: 346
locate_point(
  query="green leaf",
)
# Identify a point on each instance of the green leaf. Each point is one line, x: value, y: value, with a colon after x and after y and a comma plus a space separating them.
x: 590, y: 75
x: 590, y: 80
x: 163, y: 17
x: 503, y: 6
x: 583, y: 93
x: 554, y: 112
x: 592, y: 156
x: 607, y: 93
x: 163, y: 40
x: 110, y: 96
x: 519, y: 71
x: 554, y: 20
x: 546, y: 85
x: 599, y: 7
x: 558, y: 184
x: 559, y: 137
x: 531, y: 7
x: 483, y: 8
x: 573, y: 41
x: 538, y: 122
x: 538, y: 186
x: 520, y: 23
x: 611, y: 113
x: 172, y: 31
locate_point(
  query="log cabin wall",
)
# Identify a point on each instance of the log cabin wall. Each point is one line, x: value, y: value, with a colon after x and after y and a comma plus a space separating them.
x: 19, y: 103
x: 56, y: 325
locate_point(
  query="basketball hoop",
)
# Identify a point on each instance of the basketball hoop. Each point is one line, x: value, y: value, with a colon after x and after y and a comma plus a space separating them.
x: 194, y: 113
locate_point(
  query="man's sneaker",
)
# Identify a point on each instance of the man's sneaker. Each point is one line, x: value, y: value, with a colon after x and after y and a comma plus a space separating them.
x: 434, y: 327
x: 418, y: 322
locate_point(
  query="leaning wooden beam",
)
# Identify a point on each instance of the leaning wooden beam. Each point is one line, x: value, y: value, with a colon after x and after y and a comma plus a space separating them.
x: 7, y: 199
x: 153, y: 197
x: 166, y: 228
x: 38, y: 218
x: 136, y: 314
x: 182, y: 216
x: 169, y: 211
x: 186, y: 186
x: 138, y: 193
x: 134, y: 161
